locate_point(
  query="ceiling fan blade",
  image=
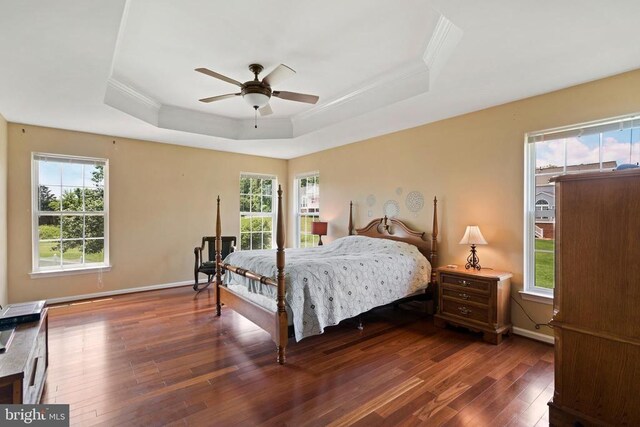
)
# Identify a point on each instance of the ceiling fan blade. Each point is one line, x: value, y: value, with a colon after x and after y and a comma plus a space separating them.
x: 219, y: 97
x: 279, y: 74
x: 295, y: 96
x: 266, y: 110
x: 218, y: 76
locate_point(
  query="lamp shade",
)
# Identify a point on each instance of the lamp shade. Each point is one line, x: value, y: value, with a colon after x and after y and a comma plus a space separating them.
x: 258, y: 100
x: 319, y: 228
x: 473, y: 236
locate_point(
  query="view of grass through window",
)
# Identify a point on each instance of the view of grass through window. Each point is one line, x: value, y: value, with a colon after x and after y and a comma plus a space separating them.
x: 599, y: 148
x: 70, y: 213
x: 256, y: 212
x: 308, y: 209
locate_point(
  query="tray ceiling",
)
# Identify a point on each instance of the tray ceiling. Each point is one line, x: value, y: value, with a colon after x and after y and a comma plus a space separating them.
x: 125, y: 68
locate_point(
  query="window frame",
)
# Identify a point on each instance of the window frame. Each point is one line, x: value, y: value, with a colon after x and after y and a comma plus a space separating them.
x: 298, y: 214
x: 530, y: 290
x: 36, y: 270
x: 274, y: 207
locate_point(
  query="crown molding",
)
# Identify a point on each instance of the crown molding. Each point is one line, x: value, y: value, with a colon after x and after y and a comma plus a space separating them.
x: 444, y: 40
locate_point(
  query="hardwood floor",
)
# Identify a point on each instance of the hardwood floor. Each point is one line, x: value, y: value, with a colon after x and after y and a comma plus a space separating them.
x: 162, y: 357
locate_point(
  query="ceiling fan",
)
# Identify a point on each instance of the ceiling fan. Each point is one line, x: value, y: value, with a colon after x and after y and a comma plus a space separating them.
x: 258, y: 93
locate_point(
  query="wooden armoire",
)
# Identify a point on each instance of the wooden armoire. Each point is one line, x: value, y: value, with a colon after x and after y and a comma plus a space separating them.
x: 597, y: 300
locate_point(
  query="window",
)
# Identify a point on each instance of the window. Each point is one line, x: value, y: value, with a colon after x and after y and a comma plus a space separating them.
x: 308, y: 208
x: 598, y: 146
x: 257, y: 211
x: 70, y: 213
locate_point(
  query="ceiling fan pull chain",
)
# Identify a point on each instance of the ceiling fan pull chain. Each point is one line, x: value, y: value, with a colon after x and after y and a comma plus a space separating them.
x: 255, y: 119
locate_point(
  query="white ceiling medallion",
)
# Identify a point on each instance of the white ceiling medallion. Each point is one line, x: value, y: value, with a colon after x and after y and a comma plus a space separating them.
x: 402, y: 81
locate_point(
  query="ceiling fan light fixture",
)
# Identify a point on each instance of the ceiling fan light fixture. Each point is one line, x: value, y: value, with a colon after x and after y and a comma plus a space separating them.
x: 256, y: 100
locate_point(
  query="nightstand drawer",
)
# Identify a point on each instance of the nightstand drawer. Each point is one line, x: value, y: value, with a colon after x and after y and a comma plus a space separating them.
x: 465, y: 282
x: 463, y: 295
x: 460, y: 309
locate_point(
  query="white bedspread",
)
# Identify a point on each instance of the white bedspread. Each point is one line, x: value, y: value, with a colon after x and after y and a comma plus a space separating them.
x: 330, y: 283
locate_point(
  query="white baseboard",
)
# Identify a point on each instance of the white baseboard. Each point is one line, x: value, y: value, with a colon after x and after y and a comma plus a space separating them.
x: 534, y: 335
x: 118, y: 292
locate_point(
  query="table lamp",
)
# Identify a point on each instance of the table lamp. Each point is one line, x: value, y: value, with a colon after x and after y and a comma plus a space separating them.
x: 473, y: 236
x: 319, y: 228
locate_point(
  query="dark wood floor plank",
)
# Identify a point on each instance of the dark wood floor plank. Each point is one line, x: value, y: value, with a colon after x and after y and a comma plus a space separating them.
x: 164, y: 358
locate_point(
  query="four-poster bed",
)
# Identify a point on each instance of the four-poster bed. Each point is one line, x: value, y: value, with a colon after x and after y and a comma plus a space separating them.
x: 383, y: 262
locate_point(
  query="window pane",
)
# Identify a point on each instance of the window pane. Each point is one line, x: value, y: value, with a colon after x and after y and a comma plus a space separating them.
x: 256, y: 186
x: 583, y: 153
x: 544, y: 259
x: 245, y: 241
x: 72, y: 175
x: 267, y: 224
x: 72, y: 227
x: 93, y: 176
x: 267, y: 187
x: 245, y: 224
x: 245, y: 185
x: 549, y: 154
x: 49, y: 197
x: 72, y: 199
x: 256, y: 204
x: 256, y: 240
x: 49, y: 254
x: 266, y: 204
x: 49, y: 227
x: 72, y: 252
x: 94, y: 199
x: 49, y: 173
x: 256, y: 224
x: 94, y: 226
x: 245, y: 204
x: 94, y: 250
x: 620, y: 147
x: 266, y: 241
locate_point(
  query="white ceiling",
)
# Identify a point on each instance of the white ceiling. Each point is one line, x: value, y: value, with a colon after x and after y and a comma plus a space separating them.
x: 125, y: 68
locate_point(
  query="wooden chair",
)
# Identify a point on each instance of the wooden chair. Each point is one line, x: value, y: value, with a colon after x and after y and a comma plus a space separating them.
x: 208, y: 266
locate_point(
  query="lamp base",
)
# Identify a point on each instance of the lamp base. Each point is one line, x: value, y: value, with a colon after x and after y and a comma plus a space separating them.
x: 473, y: 262
x: 319, y: 240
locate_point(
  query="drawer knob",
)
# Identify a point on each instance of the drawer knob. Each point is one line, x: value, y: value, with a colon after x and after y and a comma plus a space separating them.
x: 464, y: 310
x: 464, y: 296
x: 464, y: 282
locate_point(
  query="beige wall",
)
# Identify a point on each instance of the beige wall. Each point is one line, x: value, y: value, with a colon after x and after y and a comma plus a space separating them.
x: 3, y: 211
x: 162, y: 201
x: 473, y: 163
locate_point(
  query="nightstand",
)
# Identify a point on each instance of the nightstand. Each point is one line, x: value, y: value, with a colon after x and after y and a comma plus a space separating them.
x: 477, y: 300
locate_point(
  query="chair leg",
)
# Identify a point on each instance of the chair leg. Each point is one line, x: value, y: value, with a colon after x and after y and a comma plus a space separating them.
x: 195, y: 286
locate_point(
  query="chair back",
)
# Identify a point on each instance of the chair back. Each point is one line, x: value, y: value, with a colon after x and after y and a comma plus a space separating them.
x: 228, y: 242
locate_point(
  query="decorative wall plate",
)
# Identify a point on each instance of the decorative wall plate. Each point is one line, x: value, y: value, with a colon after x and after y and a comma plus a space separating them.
x: 399, y: 191
x: 414, y: 201
x: 391, y: 208
x: 371, y: 200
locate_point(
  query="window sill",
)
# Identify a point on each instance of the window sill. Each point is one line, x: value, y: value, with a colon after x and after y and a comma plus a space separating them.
x: 540, y: 297
x: 69, y: 271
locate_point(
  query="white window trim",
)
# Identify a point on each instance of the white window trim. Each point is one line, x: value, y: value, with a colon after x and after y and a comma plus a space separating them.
x: 296, y: 186
x: 274, y: 205
x: 530, y: 291
x: 37, y: 272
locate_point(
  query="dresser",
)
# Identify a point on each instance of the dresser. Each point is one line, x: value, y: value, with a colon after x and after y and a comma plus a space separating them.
x: 23, y: 367
x: 477, y: 300
x: 596, y: 318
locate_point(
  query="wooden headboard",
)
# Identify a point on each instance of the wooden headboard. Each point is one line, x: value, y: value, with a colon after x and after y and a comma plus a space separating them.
x: 394, y: 229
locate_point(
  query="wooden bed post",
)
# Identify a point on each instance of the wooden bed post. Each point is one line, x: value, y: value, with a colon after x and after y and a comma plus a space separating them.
x: 218, y: 257
x: 434, y: 241
x: 282, y: 327
x: 350, y: 218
